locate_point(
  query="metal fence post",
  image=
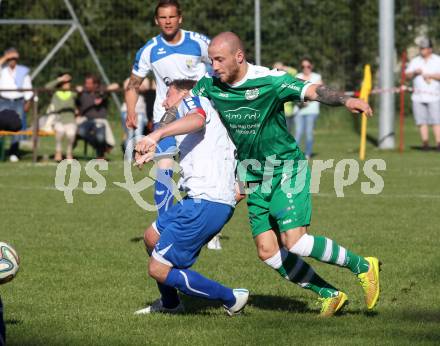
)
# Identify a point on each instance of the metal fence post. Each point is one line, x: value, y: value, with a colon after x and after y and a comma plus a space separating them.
x: 35, y: 128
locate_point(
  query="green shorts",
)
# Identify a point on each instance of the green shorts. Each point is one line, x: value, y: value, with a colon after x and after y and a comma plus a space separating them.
x: 285, y: 205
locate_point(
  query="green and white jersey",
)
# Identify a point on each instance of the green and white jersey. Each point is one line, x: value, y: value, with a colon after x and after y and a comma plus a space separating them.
x: 252, y: 112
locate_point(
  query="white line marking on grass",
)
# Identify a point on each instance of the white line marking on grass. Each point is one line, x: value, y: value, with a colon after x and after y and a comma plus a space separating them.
x: 51, y: 188
x: 325, y: 195
x: 427, y: 196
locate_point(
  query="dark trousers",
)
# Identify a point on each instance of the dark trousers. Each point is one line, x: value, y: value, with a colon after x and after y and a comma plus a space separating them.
x: 17, y: 106
x: 94, y: 134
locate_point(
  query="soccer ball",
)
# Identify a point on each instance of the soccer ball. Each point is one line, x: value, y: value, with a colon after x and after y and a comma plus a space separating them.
x: 9, y: 263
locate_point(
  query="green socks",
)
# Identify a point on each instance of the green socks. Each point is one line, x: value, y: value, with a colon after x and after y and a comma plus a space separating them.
x: 326, y: 250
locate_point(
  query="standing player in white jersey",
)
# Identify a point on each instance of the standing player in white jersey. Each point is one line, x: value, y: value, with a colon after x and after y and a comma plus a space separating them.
x: 173, y: 54
x: 175, y: 239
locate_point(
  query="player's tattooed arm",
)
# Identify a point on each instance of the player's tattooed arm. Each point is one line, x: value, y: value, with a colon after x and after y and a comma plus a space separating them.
x: 169, y: 116
x: 330, y: 96
x: 134, y: 83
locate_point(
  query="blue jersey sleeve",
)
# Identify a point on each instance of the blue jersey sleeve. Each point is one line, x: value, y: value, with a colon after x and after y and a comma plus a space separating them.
x: 192, y: 103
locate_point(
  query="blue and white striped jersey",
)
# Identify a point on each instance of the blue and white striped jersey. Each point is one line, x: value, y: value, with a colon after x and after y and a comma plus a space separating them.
x: 187, y: 59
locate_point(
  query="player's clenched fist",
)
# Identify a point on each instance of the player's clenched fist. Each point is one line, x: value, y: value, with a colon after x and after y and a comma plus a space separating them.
x: 141, y: 159
x: 355, y: 105
x: 146, y: 144
x: 131, y: 121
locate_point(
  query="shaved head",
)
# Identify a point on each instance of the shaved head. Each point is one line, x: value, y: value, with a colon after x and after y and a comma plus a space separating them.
x: 229, y: 39
x: 226, y: 52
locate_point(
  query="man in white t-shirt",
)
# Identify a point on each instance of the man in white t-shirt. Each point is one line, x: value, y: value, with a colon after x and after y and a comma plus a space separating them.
x: 175, y: 239
x: 424, y: 69
x: 15, y: 76
x: 173, y: 54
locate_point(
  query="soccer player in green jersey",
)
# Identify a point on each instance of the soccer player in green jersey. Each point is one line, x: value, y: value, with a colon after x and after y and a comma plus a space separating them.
x: 250, y: 101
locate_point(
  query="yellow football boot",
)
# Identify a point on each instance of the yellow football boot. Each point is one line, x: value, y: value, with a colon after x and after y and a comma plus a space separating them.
x: 370, y: 282
x: 330, y: 306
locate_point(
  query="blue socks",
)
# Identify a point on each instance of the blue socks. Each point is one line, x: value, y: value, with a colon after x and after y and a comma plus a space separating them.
x: 194, y: 284
x: 163, y: 192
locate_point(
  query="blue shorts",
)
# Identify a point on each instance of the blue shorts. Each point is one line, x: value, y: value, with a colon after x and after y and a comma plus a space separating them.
x: 186, y: 228
x: 166, y: 147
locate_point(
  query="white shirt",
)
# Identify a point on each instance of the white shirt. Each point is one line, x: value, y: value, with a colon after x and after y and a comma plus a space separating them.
x: 207, y: 157
x: 141, y: 106
x: 7, y: 81
x: 312, y: 106
x: 425, y: 91
x: 185, y: 60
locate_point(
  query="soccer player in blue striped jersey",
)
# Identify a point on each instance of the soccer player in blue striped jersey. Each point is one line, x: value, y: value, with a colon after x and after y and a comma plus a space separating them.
x: 174, y: 240
x: 173, y: 54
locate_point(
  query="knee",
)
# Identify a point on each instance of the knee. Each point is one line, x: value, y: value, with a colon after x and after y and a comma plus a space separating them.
x: 100, y: 137
x: 153, y: 270
x: 59, y: 130
x: 82, y: 132
x: 157, y: 271
x: 266, y: 251
x: 71, y: 135
x: 150, y: 238
x: 292, y: 237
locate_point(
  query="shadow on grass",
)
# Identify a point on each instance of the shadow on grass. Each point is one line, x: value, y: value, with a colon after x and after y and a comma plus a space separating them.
x: 422, y: 148
x: 196, y: 306
x: 421, y: 316
x: 136, y: 239
x: 13, y: 322
x: 199, y: 306
x: 277, y: 303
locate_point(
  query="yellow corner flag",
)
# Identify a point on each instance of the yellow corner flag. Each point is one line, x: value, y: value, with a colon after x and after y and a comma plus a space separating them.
x: 365, y: 92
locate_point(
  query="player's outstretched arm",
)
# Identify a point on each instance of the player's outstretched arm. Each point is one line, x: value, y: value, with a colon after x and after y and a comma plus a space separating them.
x: 131, y: 98
x: 331, y: 97
x: 169, y: 116
x: 192, y: 122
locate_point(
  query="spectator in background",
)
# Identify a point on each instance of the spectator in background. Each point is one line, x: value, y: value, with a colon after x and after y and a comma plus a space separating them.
x: 63, y: 108
x: 424, y: 69
x: 288, y: 106
x: 307, y: 112
x: 93, y: 125
x: 150, y: 97
x: 15, y: 76
x: 141, y: 112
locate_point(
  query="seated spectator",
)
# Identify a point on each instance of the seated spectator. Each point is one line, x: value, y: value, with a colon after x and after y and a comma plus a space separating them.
x: 93, y: 125
x: 141, y: 111
x: 15, y: 76
x: 63, y: 108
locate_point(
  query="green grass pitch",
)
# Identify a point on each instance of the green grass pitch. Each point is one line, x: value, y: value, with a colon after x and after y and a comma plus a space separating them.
x: 83, y: 266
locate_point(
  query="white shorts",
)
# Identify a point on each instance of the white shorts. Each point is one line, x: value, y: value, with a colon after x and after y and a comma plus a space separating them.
x: 426, y: 113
